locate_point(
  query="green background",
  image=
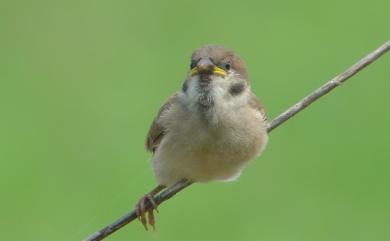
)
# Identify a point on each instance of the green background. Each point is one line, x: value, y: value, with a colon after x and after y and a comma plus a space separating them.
x: 80, y: 82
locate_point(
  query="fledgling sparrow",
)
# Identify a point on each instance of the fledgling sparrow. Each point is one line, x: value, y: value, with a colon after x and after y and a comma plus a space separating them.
x: 209, y: 129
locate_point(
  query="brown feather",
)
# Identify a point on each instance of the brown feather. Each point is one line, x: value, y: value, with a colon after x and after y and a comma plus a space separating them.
x: 157, y: 130
x: 255, y: 103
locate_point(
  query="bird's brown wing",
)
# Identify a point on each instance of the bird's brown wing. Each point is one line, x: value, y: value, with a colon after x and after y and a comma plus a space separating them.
x: 255, y: 104
x: 157, y: 130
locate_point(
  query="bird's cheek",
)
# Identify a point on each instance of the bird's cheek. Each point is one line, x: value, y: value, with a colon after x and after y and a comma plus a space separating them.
x: 193, y: 87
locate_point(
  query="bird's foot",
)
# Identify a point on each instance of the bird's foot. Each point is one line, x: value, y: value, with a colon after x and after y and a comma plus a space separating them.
x: 141, y: 208
x: 141, y: 211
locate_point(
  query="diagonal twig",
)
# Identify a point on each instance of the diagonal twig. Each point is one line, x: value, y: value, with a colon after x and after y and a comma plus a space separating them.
x: 328, y: 86
x: 290, y: 112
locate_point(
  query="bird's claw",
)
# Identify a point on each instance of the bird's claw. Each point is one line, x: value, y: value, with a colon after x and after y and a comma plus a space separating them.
x: 140, y: 211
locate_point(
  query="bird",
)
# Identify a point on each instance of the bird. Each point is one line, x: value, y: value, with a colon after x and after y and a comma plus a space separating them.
x: 209, y: 129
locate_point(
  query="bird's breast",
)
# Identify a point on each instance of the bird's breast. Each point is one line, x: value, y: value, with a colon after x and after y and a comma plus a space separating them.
x: 205, y: 150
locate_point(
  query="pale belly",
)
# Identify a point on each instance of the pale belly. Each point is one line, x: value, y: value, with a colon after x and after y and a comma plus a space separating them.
x: 203, y: 153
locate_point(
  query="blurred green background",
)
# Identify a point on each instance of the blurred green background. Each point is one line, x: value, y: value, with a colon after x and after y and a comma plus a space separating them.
x: 80, y: 82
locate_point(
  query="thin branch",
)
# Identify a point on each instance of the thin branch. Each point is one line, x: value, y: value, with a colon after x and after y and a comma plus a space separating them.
x: 290, y: 112
x: 127, y: 218
x: 330, y: 85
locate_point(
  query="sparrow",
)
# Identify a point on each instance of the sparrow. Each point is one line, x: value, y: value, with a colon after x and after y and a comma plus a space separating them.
x: 209, y: 129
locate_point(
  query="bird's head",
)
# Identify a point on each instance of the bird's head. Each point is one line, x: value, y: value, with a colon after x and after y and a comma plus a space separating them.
x: 215, y: 73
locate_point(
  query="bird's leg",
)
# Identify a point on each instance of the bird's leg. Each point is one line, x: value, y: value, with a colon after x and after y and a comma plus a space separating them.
x: 141, y: 206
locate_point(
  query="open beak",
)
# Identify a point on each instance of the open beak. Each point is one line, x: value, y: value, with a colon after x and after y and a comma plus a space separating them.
x: 205, y: 66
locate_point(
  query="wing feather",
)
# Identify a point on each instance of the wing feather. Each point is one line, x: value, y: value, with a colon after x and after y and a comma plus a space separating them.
x: 157, y: 129
x: 255, y: 104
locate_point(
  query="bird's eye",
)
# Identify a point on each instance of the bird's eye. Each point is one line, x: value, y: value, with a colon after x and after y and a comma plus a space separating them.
x: 227, y: 66
x: 192, y: 65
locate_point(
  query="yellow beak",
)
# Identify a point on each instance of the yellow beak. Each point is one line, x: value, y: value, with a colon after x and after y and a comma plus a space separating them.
x: 216, y: 71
